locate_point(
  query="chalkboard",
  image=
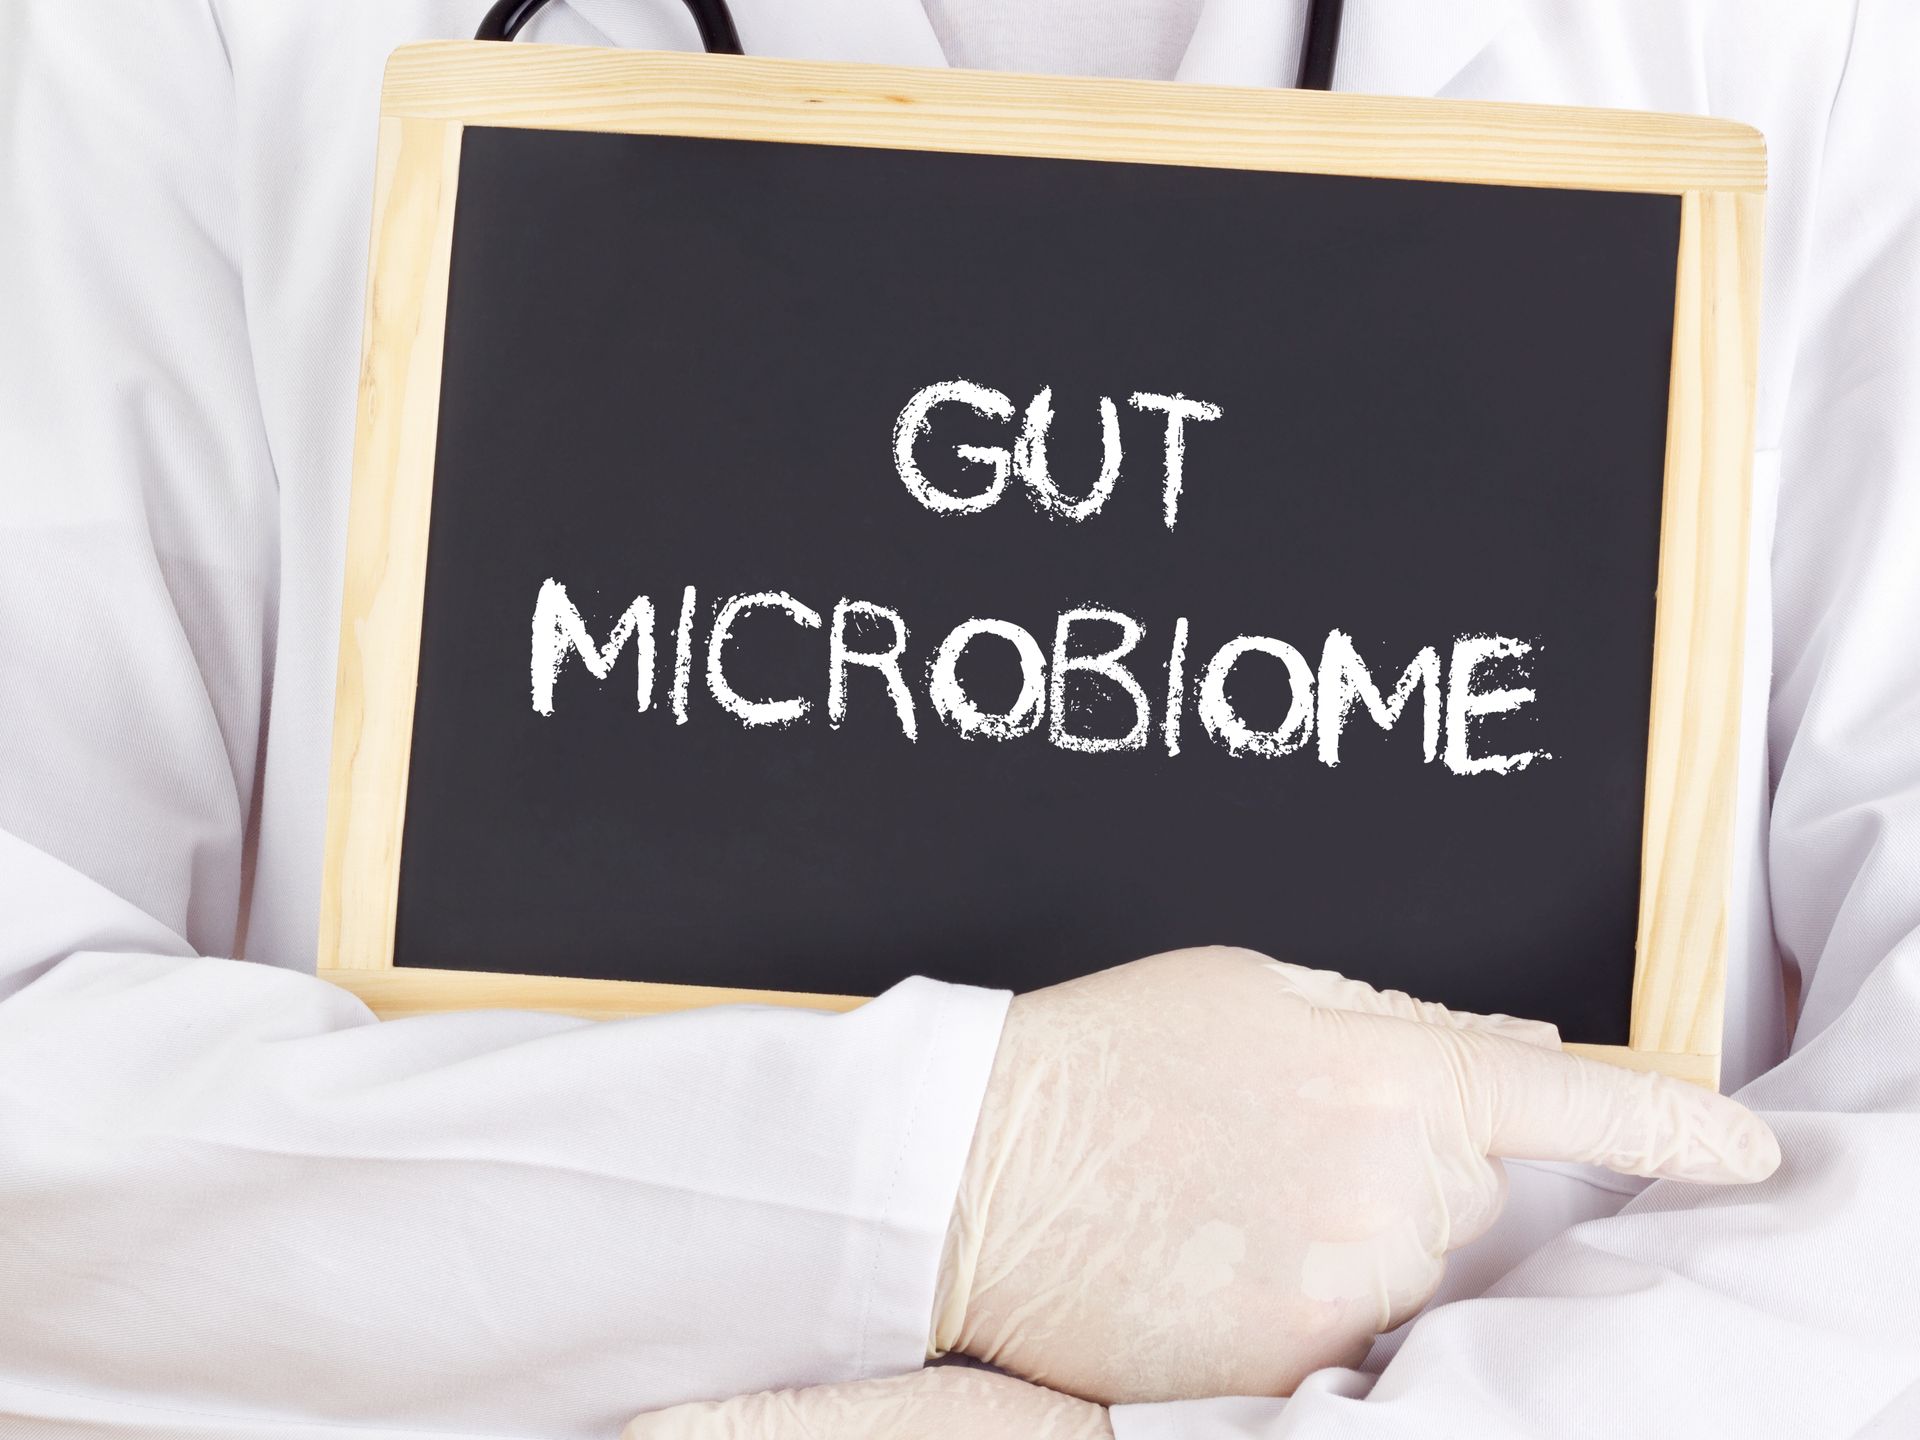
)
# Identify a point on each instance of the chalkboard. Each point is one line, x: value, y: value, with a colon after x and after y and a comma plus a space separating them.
x: 848, y: 561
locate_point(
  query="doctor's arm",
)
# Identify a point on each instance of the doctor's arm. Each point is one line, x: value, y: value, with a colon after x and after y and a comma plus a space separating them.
x: 231, y: 1202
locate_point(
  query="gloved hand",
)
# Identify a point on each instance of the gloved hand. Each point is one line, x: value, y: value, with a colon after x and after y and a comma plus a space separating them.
x: 946, y: 1403
x: 1208, y: 1173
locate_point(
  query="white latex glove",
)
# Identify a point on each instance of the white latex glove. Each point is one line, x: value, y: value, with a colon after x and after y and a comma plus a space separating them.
x: 946, y: 1403
x: 1208, y: 1173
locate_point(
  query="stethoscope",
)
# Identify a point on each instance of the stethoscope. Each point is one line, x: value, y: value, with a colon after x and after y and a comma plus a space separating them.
x: 1317, y: 49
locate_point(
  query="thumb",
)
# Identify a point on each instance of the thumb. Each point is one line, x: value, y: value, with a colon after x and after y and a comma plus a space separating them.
x: 947, y: 1402
x: 1529, y: 1103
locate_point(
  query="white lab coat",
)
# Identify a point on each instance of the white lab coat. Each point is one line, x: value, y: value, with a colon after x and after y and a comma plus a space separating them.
x: 232, y: 1205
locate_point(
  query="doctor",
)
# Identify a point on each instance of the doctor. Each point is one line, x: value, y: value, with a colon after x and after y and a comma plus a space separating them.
x: 231, y: 1205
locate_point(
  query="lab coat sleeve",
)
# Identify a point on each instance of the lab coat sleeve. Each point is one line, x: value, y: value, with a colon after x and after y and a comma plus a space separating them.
x: 230, y: 1202
x: 1791, y: 1309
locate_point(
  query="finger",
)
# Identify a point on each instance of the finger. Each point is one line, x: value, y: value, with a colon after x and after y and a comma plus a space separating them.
x: 1526, y: 1103
x: 940, y: 1403
x: 1331, y: 990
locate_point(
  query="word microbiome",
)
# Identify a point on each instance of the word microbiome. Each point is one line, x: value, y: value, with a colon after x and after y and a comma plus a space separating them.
x: 1091, y: 646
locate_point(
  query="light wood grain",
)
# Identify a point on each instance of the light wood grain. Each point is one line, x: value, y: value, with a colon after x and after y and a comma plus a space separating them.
x: 569, y: 88
x: 403, y: 990
x: 1717, y: 168
x: 1694, y: 729
x: 416, y: 175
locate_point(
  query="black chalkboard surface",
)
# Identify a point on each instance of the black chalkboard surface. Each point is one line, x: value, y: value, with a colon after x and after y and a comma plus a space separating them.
x: 677, y: 362
x: 1004, y: 689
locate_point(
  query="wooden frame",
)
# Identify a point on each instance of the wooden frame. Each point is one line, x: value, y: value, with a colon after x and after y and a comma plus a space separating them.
x: 1717, y: 168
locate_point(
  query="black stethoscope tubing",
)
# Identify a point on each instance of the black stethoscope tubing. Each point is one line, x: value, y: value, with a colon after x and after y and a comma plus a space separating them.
x: 1318, y: 48
x: 508, y: 17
